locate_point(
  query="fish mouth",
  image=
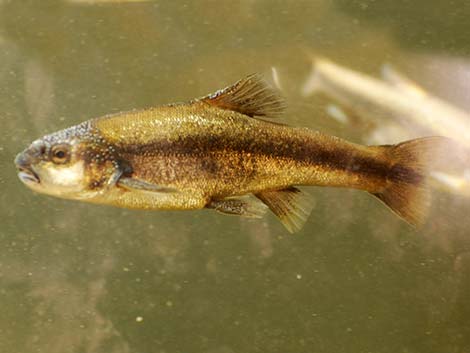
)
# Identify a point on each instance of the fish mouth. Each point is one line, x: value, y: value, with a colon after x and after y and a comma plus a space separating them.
x: 27, y: 175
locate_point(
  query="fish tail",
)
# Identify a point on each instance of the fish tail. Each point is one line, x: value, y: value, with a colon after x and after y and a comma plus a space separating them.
x: 407, y: 191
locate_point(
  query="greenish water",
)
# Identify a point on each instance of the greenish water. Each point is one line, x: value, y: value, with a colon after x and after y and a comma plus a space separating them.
x: 80, y: 278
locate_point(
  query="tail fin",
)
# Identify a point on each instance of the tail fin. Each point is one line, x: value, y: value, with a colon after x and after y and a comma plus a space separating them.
x: 407, y: 192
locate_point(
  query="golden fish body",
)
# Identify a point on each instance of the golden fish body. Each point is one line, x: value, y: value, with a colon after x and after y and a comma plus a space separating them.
x: 209, y: 152
x: 214, y: 153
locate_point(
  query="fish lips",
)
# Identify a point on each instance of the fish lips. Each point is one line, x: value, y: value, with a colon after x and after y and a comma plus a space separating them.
x: 25, y: 171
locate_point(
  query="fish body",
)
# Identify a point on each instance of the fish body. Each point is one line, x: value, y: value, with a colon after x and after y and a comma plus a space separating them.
x: 222, y: 153
x: 213, y: 151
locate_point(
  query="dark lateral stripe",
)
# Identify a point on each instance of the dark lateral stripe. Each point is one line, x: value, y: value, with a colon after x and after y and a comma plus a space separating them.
x: 405, y: 175
x: 300, y: 150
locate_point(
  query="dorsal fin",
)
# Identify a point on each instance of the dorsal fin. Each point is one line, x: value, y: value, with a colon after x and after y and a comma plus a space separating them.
x: 250, y: 96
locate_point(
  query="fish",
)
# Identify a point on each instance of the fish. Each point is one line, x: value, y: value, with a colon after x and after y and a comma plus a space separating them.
x: 225, y: 152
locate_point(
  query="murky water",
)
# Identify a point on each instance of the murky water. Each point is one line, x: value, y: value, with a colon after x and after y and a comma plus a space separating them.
x: 85, y: 278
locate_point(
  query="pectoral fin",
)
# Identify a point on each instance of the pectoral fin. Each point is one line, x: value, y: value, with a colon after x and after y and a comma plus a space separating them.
x: 291, y: 205
x: 250, y: 96
x: 239, y: 206
x: 141, y: 185
x: 115, y: 177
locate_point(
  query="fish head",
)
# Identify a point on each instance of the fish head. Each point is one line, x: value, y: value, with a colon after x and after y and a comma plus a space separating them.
x: 74, y: 163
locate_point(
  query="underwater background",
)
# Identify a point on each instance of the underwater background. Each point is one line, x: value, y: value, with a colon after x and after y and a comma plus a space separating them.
x: 83, y: 278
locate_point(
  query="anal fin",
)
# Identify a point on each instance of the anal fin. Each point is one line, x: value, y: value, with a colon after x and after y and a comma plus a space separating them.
x: 290, y: 205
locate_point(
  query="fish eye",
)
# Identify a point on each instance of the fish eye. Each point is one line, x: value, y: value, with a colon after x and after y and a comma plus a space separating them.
x: 60, y: 154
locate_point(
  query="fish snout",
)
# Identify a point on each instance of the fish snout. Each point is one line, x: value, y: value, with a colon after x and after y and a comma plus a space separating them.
x: 34, y: 152
x: 24, y: 162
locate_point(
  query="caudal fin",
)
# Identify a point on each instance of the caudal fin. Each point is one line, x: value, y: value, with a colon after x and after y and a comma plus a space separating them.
x: 407, y: 192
